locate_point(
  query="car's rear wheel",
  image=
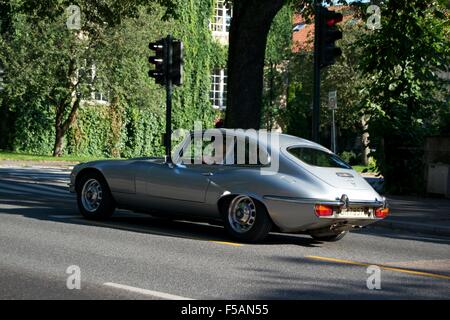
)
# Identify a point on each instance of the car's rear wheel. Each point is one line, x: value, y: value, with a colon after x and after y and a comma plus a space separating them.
x: 94, y: 198
x: 246, y: 219
x: 329, y: 238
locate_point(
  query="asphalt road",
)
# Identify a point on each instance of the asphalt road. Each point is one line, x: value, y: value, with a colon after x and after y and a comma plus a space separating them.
x: 134, y: 256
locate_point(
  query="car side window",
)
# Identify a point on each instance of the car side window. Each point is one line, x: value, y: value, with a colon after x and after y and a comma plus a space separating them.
x: 247, y: 152
x: 231, y: 150
x: 203, y: 151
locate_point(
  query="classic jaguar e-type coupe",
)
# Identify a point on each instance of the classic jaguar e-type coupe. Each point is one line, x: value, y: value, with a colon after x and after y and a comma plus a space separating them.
x: 310, y: 190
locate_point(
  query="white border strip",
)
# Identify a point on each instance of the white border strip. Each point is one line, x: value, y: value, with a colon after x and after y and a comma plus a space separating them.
x: 146, y: 292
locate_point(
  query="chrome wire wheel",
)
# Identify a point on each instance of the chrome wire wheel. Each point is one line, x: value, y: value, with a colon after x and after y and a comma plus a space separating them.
x: 242, y: 214
x: 91, y: 195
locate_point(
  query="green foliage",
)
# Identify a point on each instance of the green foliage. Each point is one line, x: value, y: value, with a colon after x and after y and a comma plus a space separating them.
x: 192, y: 99
x: 296, y: 117
x: 37, y: 52
x: 280, y: 36
x: 349, y: 157
x: 406, y: 97
x: 343, y: 77
x: 278, y: 52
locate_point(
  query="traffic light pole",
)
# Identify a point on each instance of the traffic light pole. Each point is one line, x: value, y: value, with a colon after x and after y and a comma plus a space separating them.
x: 169, y: 91
x: 316, y: 94
x: 168, y: 71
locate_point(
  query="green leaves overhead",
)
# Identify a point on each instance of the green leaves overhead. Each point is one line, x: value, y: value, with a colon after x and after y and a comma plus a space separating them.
x: 48, y: 65
x: 406, y: 97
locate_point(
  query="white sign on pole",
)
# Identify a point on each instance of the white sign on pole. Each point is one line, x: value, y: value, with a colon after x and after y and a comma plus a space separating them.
x: 332, y: 99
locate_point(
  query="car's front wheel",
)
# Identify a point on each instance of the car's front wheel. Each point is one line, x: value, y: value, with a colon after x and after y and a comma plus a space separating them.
x: 94, y: 198
x: 329, y: 238
x: 246, y: 219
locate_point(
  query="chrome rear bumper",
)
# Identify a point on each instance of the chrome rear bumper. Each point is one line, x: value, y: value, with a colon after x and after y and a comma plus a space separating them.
x: 336, y: 203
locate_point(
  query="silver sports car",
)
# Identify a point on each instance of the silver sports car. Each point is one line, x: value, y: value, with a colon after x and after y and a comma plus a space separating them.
x: 249, y: 183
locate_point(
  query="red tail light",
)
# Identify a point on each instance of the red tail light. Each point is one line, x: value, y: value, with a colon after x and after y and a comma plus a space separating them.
x: 382, y: 213
x: 323, y: 211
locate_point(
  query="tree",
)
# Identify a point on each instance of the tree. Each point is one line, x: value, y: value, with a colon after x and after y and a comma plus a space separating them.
x: 131, y: 124
x: 278, y: 53
x: 343, y: 77
x: 58, y: 67
x: 403, y: 59
x: 347, y: 80
x: 249, y: 29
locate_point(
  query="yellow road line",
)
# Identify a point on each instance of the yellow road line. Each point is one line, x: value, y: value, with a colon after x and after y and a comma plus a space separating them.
x: 362, y: 264
x: 228, y: 243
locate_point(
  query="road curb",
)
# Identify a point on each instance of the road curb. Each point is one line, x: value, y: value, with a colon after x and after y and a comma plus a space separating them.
x: 37, y: 164
x: 413, y: 227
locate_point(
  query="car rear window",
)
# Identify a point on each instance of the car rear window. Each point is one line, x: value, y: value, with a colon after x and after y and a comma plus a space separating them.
x: 319, y: 158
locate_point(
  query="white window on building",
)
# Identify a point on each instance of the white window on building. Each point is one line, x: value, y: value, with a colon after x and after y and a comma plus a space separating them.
x: 218, y: 94
x: 100, y: 97
x: 220, y: 24
x: 95, y: 96
x: 222, y: 17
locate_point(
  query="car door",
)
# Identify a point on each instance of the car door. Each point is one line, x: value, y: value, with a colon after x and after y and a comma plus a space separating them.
x: 183, y: 181
x: 174, y: 181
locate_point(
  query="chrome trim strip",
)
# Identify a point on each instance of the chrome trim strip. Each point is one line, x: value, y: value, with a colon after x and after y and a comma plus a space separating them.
x: 337, y: 203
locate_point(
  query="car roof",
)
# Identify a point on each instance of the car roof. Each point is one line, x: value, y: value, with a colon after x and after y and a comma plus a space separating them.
x: 284, y: 139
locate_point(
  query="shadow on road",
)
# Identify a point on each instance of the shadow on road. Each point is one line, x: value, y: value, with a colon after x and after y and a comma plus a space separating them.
x: 67, y: 212
x: 337, y: 284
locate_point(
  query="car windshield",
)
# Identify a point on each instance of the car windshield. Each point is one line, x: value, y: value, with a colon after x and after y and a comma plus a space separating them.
x: 319, y: 158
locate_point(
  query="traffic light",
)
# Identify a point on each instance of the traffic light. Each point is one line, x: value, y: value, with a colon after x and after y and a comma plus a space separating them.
x: 159, y: 60
x: 168, y: 61
x: 176, y: 69
x: 328, y: 34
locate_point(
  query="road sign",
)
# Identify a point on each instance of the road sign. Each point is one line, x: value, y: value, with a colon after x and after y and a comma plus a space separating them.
x: 332, y: 100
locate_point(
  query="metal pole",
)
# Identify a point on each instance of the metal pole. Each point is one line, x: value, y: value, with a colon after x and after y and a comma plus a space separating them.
x: 333, y: 132
x: 316, y: 97
x: 169, y: 90
x: 2, y: 73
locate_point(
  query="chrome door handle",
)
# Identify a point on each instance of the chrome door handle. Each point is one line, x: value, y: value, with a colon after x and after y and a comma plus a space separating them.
x: 207, y: 174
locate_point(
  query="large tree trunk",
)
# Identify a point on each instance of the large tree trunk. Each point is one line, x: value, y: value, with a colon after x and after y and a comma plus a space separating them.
x: 72, y: 104
x: 248, y: 37
x: 61, y: 127
x: 58, y: 148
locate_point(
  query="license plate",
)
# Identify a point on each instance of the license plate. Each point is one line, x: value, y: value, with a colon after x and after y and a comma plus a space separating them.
x: 353, y: 213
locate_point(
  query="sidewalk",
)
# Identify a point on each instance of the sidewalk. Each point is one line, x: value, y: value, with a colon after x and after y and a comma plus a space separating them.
x: 40, y: 164
x: 421, y: 215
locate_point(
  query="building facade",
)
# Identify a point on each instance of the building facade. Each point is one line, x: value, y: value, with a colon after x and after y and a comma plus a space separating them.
x: 220, y: 27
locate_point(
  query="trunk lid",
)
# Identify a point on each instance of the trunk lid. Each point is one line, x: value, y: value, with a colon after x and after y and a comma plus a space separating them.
x: 340, y: 178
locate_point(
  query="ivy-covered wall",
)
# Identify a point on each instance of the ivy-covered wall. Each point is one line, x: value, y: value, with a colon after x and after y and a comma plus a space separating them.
x: 136, y: 130
x: 133, y: 124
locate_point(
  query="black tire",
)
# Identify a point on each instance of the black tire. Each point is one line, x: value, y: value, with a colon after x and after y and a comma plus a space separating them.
x: 106, y: 205
x: 258, y: 231
x: 330, y: 238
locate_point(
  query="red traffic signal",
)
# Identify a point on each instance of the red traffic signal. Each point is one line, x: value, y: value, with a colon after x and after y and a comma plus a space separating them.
x: 336, y: 19
x: 328, y: 34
